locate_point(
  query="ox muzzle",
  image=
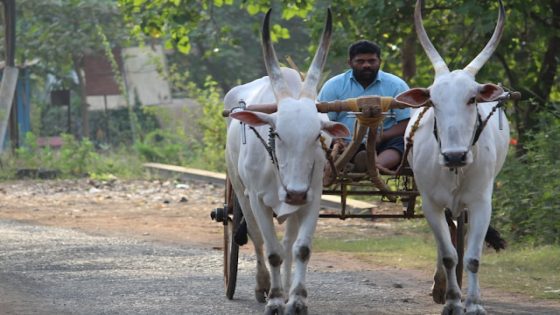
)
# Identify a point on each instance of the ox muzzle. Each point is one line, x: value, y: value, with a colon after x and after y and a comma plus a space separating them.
x: 453, y: 159
x: 296, y: 198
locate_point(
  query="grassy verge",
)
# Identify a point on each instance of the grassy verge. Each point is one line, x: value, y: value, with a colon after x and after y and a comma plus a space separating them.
x: 410, y: 245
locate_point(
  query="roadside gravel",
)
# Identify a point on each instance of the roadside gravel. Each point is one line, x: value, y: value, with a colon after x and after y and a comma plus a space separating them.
x: 148, y: 247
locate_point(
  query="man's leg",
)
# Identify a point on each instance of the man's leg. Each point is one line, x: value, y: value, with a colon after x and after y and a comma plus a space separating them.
x: 389, y: 159
x: 389, y: 153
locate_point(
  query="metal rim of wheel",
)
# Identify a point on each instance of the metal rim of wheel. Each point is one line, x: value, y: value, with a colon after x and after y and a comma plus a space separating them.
x: 231, y: 249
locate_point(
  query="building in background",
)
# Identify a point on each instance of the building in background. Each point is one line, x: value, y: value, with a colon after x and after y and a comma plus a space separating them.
x: 143, y: 72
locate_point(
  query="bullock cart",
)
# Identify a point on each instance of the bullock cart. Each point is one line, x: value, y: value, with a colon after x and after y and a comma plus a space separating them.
x: 395, y: 186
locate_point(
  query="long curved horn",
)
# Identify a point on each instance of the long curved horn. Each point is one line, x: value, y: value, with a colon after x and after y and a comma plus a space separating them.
x: 279, y: 85
x: 314, y: 72
x: 485, y: 54
x: 439, y: 64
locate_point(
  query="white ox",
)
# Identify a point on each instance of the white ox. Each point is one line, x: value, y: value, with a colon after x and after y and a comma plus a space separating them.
x: 450, y: 170
x: 291, y: 186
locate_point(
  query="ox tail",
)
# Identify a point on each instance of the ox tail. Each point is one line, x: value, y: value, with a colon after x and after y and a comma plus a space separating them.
x: 494, y: 239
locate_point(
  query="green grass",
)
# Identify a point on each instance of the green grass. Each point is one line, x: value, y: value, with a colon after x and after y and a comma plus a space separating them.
x: 404, y: 251
x: 409, y: 244
x: 532, y: 271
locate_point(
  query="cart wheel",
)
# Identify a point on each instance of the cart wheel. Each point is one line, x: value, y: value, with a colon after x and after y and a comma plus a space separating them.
x: 231, y: 249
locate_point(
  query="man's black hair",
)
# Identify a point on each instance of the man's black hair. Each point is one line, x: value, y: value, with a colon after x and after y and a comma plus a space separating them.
x: 363, y: 47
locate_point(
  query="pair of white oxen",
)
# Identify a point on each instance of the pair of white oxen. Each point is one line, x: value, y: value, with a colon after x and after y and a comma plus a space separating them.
x: 451, y: 170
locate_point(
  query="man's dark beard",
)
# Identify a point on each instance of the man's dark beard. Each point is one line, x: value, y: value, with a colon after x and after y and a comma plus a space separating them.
x: 365, y: 76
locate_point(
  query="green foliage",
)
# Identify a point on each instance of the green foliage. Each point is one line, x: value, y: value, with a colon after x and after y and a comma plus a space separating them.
x: 166, y: 146
x: 177, y: 21
x: 112, y: 128
x: 32, y: 156
x: 204, y: 149
x: 212, y: 123
x: 74, y: 158
x: 526, y: 200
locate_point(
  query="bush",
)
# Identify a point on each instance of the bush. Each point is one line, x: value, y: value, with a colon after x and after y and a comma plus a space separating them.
x: 526, y: 200
x: 164, y: 146
x: 211, y: 151
x: 75, y: 158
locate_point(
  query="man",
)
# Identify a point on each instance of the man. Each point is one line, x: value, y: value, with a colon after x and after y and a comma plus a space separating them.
x: 364, y: 78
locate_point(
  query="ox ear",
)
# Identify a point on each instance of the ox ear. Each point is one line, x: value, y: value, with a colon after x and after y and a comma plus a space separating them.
x: 254, y: 119
x: 335, y: 129
x: 489, y: 92
x: 416, y: 97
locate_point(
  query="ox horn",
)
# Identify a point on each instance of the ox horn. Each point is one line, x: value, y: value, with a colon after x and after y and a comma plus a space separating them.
x: 491, y: 46
x: 279, y: 85
x: 439, y: 64
x: 314, y: 72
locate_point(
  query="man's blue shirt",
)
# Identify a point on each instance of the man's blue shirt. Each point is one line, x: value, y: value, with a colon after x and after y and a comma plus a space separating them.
x: 345, y: 86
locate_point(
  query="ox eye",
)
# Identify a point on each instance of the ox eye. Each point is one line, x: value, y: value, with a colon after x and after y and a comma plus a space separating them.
x: 318, y: 137
x: 471, y: 101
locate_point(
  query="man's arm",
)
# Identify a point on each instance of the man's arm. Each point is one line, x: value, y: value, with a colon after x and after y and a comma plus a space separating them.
x: 396, y: 130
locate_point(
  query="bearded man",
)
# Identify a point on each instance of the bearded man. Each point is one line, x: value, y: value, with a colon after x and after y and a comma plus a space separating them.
x: 362, y: 79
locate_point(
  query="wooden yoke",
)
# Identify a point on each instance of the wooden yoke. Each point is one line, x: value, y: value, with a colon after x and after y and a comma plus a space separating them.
x: 360, y: 104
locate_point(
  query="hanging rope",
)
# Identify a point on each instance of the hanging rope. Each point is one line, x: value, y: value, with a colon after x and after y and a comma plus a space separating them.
x: 410, y: 138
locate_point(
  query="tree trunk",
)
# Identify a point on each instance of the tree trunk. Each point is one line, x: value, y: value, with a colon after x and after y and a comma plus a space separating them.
x: 78, y: 68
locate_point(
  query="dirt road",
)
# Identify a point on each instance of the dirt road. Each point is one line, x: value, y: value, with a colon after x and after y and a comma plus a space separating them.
x: 149, y: 247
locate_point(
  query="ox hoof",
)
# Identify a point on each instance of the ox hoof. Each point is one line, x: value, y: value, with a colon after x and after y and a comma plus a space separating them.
x: 260, y: 295
x: 297, y: 308
x: 274, y: 309
x: 453, y: 309
x: 438, y: 295
x: 475, y: 309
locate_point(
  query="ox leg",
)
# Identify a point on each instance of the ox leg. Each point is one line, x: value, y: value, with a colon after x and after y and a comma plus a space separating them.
x: 274, y: 253
x: 262, y: 278
x: 479, y: 220
x: 290, y: 235
x: 440, y: 283
x: 297, y: 303
x: 447, y: 256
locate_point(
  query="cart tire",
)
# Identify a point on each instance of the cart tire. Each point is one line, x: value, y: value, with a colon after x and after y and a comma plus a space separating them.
x: 231, y: 249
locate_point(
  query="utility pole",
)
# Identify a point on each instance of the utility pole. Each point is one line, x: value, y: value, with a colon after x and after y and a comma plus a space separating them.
x: 9, y: 77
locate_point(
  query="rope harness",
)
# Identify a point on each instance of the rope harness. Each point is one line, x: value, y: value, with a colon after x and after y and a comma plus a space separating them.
x: 270, y: 145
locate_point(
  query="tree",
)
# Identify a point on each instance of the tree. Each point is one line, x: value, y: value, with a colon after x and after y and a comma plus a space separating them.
x: 61, y: 33
x: 219, y: 38
x: 525, y: 60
